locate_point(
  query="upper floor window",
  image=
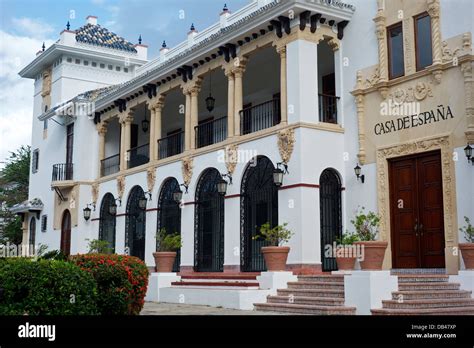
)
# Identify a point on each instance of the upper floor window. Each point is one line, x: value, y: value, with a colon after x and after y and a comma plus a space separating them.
x: 35, y: 161
x: 396, y: 64
x: 44, y: 223
x: 424, y: 55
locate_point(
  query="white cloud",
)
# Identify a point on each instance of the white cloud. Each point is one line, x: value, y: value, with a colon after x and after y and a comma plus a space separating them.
x: 16, y: 93
x: 35, y: 28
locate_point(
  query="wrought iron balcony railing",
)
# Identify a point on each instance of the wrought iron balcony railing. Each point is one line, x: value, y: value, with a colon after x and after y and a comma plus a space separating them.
x: 171, y: 145
x: 261, y: 116
x: 62, y: 172
x: 138, y: 155
x: 110, y: 165
x: 211, y: 132
x: 328, y: 108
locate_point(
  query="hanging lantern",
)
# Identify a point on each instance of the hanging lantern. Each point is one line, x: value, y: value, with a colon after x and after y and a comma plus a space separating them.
x: 210, y: 101
x: 87, y: 213
x: 222, y: 187
x: 113, y: 209
x: 178, y: 196
x: 142, y: 202
x: 145, y: 125
x: 278, y: 177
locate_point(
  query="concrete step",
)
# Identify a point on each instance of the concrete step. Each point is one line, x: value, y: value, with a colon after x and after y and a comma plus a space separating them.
x: 197, y: 283
x: 420, y: 286
x: 423, y: 278
x: 311, y: 292
x: 440, y: 294
x: 305, y: 309
x: 402, y: 271
x: 330, y: 278
x: 217, y: 280
x: 425, y: 311
x: 315, y: 285
x: 428, y: 303
x: 220, y: 276
x: 307, y: 300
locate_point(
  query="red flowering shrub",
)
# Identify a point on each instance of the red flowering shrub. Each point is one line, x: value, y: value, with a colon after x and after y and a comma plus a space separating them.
x: 121, y: 281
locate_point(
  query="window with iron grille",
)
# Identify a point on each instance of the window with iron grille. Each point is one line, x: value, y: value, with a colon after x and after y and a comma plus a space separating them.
x: 34, y: 162
x: 44, y: 223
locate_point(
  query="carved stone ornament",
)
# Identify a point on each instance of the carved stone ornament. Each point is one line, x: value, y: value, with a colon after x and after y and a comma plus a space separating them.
x: 151, y: 178
x: 286, y: 143
x: 373, y: 79
x: 187, y: 169
x: 95, y: 192
x: 231, y: 157
x: 120, y: 186
x: 417, y: 92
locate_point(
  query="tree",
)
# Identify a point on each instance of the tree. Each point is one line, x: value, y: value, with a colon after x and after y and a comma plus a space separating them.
x: 14, y: 180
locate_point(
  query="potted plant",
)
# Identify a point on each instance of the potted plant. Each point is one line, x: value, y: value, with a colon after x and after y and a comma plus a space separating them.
x: 373, y: 251
x: 275, y: 254
x: 167, y: 245
x: 346, y: 253
x: 467, y: 249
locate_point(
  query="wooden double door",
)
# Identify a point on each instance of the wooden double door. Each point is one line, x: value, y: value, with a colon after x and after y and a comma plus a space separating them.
x: 416, y: 206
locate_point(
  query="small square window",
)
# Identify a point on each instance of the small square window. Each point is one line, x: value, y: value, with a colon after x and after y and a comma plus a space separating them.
x: 117, y: 68
x: 110, y: 67
x: 78, y: 61
x: 86, y: 62
x: 44, y: 223
x: 69, y: 60
x: 94, y: 64
x: 34, y: 161
x: 125, y: 70
x: 102, y: 66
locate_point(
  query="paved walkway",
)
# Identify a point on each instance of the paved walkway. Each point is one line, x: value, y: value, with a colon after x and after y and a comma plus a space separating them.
x: 154, y: 308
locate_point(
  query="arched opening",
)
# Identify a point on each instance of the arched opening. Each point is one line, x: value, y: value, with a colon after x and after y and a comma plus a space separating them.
x: 32, y: 237
x: 135, y: 224
x: 66, y: 233
x: 169, y: 213
x: 330, y: 213
x: 259, y: 205
x: 209, y: 224
x: 107, y: 222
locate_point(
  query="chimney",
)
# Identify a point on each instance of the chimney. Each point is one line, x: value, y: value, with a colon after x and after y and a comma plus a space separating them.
x: 91, y: 20
x: 67, y: 36
x: 224, y: 15
x: 163, y: 50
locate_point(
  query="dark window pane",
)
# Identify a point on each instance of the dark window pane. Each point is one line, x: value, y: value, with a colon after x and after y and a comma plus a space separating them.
x: 423, y: 42
x: 395, y: 44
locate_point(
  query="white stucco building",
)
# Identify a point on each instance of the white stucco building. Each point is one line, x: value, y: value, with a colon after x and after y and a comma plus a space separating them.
x: 292, y: 84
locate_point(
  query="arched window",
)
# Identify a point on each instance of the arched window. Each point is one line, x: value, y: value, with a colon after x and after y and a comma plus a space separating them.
x: 107, y: 221
x: 209, y: 224
x: 66, y: 233
x: 169, y: 213
x: 330, y: 214
x: 258, y: 205
x: 135, y: 224
x: 32, y: 239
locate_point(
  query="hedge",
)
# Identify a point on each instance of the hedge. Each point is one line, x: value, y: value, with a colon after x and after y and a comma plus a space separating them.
x: 121, y: 281
x: 45, y: 287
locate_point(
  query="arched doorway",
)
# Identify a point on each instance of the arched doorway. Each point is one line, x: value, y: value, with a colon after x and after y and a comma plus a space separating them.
x: 169, y: 213
x: 32, y: 237
x: 330, y: 213
x: 107, y: 222
x: 258, y: 205
x: 209, y: 224
x: 66, y: 233
x: 135, y: 224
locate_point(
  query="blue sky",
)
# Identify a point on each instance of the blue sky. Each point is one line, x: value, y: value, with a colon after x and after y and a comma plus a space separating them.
x: 25, y: 24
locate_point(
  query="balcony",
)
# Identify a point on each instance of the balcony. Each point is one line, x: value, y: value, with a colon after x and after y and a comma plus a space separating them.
x: 328, y: 108
x: 62, y: 172
x: 171, y: 145
x: 211, y: 132
x: 110, y: 165
x: 138, y: 156
x: 261, y: 116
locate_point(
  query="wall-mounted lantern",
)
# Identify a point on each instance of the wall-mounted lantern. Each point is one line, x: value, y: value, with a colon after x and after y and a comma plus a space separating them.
x: 87, y: 211
x: 278, y: 173
x: 358, y: 174
x: 468, y: 151
x: 222, y: 184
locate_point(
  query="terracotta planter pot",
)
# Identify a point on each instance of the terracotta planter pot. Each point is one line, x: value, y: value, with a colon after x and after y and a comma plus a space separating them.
x: 345, y: 258
x: 467, y: 252
x: 275, y: 257
x: 164, y: 261
x: 373, y: 254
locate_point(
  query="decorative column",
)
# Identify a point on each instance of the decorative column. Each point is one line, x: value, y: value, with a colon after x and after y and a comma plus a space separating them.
x: 382, y: 44
x: 126, y: 120
x: 238, y: 71
x: 102, y: 130
x: 466, y: 69
x: 155, y: 125
x: 360, y: 100
x: 433, y: 11
x: 153, y: 145
x: 194, y: 92
x: 230, y: 103
x: 187, y: 121
x: 283, y: 91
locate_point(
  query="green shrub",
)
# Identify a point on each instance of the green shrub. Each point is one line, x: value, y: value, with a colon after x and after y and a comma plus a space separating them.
x: 347, y: 239
x: 54, y: 255
x: 168, y: 242
x: 45, y: 287
x: 275, y: 236
x: 366, y: 225
x: 121, y: 281
x: 97, y: 246
x: 468, y: 230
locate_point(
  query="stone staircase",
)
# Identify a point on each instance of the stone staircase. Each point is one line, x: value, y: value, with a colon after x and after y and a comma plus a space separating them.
x: 427, y: 294
x: 311, y: 294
